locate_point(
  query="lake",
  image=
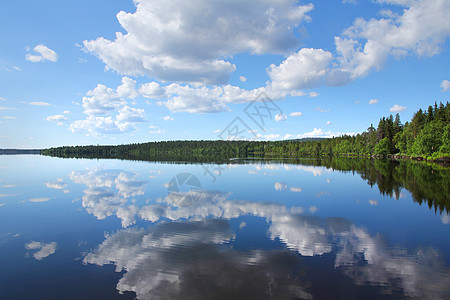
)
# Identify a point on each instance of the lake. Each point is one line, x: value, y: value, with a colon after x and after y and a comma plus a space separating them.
x: 249, y: 229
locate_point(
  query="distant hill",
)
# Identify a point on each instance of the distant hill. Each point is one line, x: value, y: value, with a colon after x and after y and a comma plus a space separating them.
x: 20, y: 151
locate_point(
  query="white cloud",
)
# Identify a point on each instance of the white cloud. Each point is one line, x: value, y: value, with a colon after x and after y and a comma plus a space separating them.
x: 208, y: 99
x: 242, y: 78
x: 167, y: 118
x: 373, y: 101
x: 397, y: 108
x: 421, y: 29
x: 317, y: 132
x: 56, y: 118
x: 6, y: 108
x: 152, y: 90
x: 174, y: 42
x: 301, y: 70
x: 295, y: 189
x: 102, y: 100
x: 373, y: 202
x: 296, y: 114
x: 445, y: 85
x: 40, y: 103
x: 96, y: 126
x: 8, y: 117
x: 43, y: 53
x: 107, y: 110
x: 280, y: 117
x: 129, y: 114
x: 328, y: 123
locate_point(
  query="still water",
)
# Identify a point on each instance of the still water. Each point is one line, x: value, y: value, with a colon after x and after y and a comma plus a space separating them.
x: 107, y: 229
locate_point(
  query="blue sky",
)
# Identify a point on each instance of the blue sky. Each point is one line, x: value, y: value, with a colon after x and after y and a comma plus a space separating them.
x: 115, y: 72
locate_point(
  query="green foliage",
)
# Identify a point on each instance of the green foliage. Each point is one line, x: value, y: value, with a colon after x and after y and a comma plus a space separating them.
x: 429, y: 140
x: 383, y: 148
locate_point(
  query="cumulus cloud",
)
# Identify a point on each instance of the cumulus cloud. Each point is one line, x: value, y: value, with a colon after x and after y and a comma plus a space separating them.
x: 130, y: 114
x: 445, y: 85
x: 152, y: 90
x: 188, y: 54
x: 108, y: 111
x: 42, y: 53
x: 302, y: 70
x: 421, y: 29
x: 174, y: 42
x: 242, y: 78
x: 397, y: 108
x: 373, y: 101
x: 209, y: 99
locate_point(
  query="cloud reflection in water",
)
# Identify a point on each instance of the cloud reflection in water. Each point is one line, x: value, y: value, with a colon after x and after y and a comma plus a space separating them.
x: 193, y: 253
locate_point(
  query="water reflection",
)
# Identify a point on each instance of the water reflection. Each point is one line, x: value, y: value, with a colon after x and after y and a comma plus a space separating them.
x: 189, y: 260
x: 108, y: 193
x: 41, y: 250
x: 296, y: 233
x: 193, y: 253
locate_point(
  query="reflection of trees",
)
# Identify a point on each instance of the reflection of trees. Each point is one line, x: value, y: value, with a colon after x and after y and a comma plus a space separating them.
x: 427, y: 183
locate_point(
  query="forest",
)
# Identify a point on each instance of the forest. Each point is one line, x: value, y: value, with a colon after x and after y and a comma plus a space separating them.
x: 425, y: 137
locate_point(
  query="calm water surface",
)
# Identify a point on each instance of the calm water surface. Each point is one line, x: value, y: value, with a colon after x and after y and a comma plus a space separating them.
x: 106, y: 229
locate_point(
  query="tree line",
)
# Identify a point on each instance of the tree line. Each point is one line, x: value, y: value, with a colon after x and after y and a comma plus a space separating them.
x: 426, y: 136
